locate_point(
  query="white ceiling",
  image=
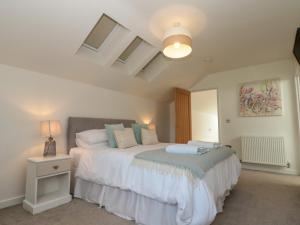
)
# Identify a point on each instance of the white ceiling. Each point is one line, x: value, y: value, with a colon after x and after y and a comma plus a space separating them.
x: 44, y: 36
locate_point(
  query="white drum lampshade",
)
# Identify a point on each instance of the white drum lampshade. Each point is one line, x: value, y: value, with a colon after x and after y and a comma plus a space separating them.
x: 177, y: 43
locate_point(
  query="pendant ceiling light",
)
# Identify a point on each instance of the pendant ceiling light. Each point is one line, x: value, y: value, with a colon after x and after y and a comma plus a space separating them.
x: 177, y: 42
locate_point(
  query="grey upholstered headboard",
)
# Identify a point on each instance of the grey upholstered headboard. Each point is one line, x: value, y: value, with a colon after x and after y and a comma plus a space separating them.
x: 78, y: 124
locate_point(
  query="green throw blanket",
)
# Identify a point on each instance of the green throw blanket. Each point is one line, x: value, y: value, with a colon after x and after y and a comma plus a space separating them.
x: 197, y: 164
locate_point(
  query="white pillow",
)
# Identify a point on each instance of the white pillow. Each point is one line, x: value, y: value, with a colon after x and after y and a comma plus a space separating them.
x: 149, y: 137
x: 83, y: 144
x: 92, y: 136
x: 125, y: 138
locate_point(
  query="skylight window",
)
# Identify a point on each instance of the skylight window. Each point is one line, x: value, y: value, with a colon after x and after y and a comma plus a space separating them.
x: 99, y: 33
x: 130, y: 49
x: 155, y: 67
x: 152, y: 60
x: 111, y: 44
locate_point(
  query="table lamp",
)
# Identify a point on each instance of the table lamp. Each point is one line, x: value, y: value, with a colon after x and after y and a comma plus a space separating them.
x: 50, y: 129
x: 152, y: 126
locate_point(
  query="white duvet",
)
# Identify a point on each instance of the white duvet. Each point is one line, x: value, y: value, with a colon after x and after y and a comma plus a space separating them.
x: 198, y: 201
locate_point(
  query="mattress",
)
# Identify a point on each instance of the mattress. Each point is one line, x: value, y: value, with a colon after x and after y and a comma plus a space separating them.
x: 195, y: 202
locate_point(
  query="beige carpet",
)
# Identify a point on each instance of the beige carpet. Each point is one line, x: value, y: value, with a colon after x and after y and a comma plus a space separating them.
x: 258, y: 199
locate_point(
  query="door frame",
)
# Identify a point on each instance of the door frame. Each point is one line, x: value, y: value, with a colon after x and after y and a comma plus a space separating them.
x: 218, y: 107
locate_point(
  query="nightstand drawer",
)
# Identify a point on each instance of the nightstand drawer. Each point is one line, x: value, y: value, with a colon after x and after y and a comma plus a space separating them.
x: 53, y: 167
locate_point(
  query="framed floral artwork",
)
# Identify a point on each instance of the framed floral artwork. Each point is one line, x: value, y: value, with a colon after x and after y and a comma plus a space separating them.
x: 261, y: 98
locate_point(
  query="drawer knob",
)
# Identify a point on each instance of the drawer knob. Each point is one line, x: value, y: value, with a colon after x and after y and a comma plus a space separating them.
x: 55, y: 167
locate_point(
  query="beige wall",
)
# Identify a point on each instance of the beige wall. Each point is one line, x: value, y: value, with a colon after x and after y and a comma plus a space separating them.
x: 204, y: 106
x: 27, y: 97
x: 228, y: 84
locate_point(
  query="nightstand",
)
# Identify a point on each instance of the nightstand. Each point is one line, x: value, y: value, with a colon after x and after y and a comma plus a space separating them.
x: 47, y: 183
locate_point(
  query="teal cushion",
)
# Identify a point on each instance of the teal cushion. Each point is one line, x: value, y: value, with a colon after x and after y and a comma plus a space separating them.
x: 110, y: 133
x: 137, y: 129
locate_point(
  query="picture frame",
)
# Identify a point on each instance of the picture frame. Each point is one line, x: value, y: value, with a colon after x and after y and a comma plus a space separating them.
x: 261, y: 98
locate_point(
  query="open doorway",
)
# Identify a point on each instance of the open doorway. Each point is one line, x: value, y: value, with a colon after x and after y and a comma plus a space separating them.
x: 205, y: 119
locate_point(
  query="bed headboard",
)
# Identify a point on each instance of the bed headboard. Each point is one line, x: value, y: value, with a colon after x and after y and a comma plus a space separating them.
x: 78, y: 124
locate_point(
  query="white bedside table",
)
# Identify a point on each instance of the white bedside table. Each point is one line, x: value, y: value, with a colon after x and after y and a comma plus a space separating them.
x: 47, y: 183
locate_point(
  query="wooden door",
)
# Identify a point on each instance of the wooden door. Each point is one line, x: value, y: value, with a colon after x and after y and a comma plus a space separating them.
x: 183, y: 127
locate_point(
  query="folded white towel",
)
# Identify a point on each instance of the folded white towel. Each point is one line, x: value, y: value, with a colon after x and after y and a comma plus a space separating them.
x: 185, y: 149
x: 203, y: 144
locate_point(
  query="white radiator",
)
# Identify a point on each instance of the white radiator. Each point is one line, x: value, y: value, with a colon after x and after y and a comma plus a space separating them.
x: 264, y: 150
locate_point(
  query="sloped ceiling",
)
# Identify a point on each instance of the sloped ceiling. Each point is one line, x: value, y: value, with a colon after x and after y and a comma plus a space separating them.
x: 45, y: 36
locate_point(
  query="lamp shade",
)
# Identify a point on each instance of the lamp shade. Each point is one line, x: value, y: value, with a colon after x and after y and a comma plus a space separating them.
x: 177, y: 43
x: 50, y: 128
x: 152, y: 126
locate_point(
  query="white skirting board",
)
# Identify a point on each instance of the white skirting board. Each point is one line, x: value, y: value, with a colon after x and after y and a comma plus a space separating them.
x: 286, y: 171
x: 41, y: 207
x: 11, y: 201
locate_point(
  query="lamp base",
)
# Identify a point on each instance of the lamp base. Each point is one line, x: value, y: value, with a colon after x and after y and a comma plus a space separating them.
x: 50, y: 147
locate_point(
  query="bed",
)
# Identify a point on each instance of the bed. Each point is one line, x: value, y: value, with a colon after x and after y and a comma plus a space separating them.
x: 108, y: 177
